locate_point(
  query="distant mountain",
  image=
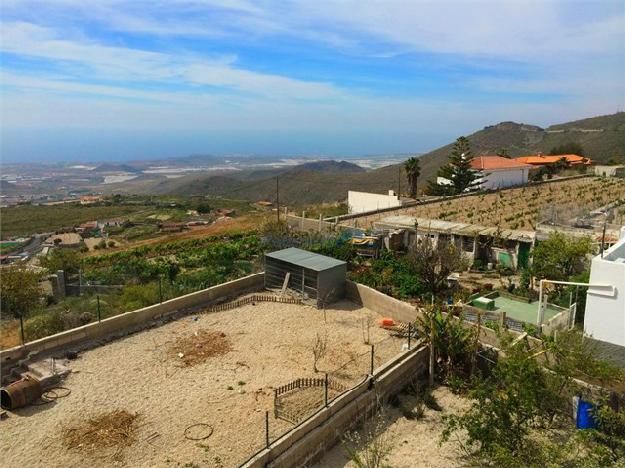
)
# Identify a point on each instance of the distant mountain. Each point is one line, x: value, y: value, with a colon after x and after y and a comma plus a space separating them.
x: 116, y: 168
x: 601, y: 137
x: 331, y: 166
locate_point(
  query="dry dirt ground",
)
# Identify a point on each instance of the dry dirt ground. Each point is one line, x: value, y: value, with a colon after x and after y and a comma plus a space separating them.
x: 271, y: 345
x: 412, y: 442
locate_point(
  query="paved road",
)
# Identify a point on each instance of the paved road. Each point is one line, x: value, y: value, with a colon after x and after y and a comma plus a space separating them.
x: 33, y: 246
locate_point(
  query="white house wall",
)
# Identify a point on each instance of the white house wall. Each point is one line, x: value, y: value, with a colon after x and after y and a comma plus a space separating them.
x: 604, y: 319
x: 503, y: 178
x: 359, y: 202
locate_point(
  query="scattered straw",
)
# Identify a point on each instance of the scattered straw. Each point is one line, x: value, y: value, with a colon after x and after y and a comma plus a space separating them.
x: 199, y: 346
x: 114, y: 430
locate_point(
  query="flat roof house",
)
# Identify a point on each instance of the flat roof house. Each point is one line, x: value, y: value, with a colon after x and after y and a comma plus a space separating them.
x: 604, y: 319
x: 315, y: 276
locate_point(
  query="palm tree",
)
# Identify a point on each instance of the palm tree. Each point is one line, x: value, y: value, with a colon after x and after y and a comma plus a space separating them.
x: 413, y: 171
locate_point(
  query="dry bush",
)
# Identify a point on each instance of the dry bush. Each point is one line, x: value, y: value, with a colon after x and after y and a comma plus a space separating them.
x: 198, y: 347
x: 370, y: 445
x: 319, y: 350
x: 113, y: 430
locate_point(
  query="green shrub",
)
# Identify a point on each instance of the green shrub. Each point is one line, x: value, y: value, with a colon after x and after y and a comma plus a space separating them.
x: 140, y: 295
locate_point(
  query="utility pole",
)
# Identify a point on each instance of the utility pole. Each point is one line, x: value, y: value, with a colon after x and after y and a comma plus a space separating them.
x: 399, y: 181
x: 278, y: 198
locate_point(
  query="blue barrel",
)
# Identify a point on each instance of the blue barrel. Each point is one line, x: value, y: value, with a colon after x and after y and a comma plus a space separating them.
x: 585, y: 418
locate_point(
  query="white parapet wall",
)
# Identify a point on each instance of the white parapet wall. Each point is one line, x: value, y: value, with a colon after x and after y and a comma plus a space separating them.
x: 361, y: 202
x: 604, y: 319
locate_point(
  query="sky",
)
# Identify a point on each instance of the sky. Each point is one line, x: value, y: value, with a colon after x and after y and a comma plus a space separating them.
x: 117, y: 80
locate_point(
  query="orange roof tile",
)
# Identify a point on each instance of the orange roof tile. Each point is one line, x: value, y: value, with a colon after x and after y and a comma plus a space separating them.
x: 481, y: 163
x: 542, y: 159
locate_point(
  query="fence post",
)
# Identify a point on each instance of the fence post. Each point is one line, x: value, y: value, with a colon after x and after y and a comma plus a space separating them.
x: 160, y: 289
x: 372, y: 354
x: 502, y: 317
x: 99, y: 316
x: 326, y: 390
x: 409, y: 333
x: 432, y: 352
x: 267, y: 428
x: 22, y: 329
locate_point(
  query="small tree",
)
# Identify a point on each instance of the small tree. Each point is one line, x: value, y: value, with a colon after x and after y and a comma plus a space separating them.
x: 319, y: 350
x: 454, y: 345
x: 458, y: 172
x: 67, y: 260
x: 560, y: 257
x: 413, y: 171
x: 433, y: 263
x: 203, y: 208
x: 20, y: 290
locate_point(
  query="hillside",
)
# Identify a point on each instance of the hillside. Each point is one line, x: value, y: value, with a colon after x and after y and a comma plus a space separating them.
x: 602, y: 138
x: 116, y: 168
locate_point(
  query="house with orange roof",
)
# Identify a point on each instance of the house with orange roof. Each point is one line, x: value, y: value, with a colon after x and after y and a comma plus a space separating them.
x: 540, y: 159
x: 498, y: 172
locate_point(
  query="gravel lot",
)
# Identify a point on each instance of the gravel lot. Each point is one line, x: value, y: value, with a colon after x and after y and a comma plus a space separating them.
x: 271, y: 345
x: 413, y: 442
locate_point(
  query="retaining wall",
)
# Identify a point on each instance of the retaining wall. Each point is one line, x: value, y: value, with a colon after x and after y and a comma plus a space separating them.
x: 560, y: 321
x: 309, y: 224
x: 126, y: 322
x: 381, y: 303
x: 313, y: 437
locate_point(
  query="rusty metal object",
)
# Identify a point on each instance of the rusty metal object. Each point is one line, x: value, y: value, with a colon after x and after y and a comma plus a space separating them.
x: 20, y: 393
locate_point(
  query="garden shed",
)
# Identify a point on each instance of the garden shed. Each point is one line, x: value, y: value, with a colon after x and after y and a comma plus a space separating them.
x: 316, y: 277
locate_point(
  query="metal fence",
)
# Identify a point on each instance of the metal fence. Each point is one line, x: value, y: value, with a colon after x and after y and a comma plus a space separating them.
x: 299, y: 399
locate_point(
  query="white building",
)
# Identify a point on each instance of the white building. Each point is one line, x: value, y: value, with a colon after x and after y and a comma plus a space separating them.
x: 360, y: 202
x: 498, y: 172
x: 604, y: 319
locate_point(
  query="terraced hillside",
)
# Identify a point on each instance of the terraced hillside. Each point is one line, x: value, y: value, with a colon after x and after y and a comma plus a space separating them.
x: 521, y: 208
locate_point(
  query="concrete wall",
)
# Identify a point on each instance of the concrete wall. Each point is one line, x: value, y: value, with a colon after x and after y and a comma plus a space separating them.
x: 129, y: 321
x: 361, y: 202
x: 309, y: 440
x: 610, y: 171
x: 497, y: 179
x: 309, y: 224
x: 366, y: 219
x: 380, y: 303
x: 604, y: 319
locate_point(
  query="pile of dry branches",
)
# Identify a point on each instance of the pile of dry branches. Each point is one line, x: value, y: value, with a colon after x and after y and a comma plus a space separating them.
x: 116, y: 430
x: 198, y: 347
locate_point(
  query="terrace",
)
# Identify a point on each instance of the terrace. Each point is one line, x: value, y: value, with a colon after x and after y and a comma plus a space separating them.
x: 171, y: 379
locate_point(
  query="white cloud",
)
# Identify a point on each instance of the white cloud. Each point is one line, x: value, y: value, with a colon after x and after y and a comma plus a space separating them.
x: 103, y: 62
x: 104, y: 82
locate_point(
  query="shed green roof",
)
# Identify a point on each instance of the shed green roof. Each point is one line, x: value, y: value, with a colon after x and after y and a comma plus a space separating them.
x: 305, y: 259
